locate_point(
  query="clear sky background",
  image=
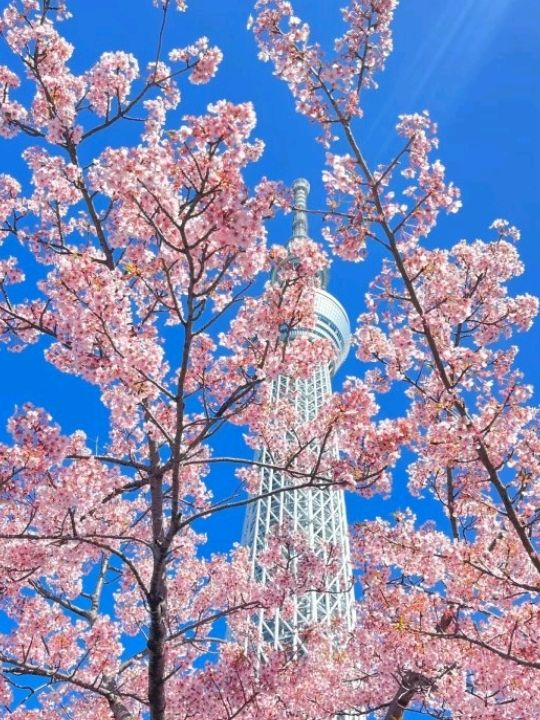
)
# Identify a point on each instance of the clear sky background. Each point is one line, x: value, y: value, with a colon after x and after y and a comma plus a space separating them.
x: 475, y: 64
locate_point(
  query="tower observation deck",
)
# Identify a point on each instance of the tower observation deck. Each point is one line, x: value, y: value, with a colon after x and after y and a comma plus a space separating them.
x: 318, y: 512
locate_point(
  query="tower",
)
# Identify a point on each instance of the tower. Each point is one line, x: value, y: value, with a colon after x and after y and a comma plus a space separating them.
x: 317, y: 511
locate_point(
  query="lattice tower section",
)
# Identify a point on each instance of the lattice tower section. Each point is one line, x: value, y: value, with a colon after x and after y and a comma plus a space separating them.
x: 319, y: 513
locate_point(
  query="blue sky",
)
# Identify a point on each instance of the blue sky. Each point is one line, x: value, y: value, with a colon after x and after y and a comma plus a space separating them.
x: 475, y: 64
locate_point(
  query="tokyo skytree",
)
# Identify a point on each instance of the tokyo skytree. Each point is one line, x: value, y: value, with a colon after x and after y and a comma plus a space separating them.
x: 317, y: 512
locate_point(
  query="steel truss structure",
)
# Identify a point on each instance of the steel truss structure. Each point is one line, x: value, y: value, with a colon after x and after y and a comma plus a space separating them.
x: 318, y: 512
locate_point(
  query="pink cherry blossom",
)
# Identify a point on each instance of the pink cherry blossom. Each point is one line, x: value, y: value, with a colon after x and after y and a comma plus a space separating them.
x: 148, y: 280
x: 447, y: 624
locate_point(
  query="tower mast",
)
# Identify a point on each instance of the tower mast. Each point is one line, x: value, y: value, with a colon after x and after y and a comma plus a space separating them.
x: 317, y: 512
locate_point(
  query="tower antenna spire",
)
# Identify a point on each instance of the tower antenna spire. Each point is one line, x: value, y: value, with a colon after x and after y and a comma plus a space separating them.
x: 300, y: 194
x: 301, y: 189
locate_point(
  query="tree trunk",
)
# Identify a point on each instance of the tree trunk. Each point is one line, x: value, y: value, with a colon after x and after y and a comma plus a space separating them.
x: 156, y: 650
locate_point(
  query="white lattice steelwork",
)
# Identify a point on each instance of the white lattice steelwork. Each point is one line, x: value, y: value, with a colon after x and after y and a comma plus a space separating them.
x: 318, y: 512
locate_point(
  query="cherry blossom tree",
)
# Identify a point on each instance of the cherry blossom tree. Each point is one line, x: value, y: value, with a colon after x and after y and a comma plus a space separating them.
x: 449, y: 620
x: 140, y: 267
x: 150, y: 263
x: 145, y: 258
